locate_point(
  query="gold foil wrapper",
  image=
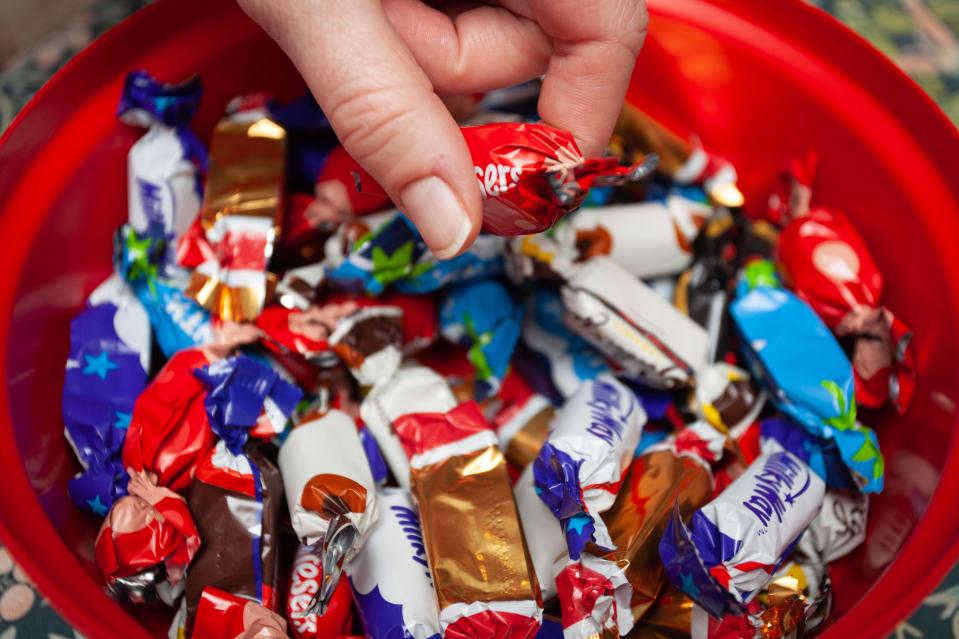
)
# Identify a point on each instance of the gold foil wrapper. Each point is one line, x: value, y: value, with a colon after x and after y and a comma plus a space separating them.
x: 656, y: 483
x: 471, y: 530
x: 670, y: 616
x: 529, y: 439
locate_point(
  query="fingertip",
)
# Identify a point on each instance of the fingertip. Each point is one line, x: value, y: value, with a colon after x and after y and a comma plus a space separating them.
x: 443, y: 220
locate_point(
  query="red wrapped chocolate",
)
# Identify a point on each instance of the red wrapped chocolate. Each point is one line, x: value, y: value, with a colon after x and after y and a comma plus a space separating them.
x: 825, y: 261
x: 169, y: 431
x: 146, y: 542
x: 305, y: 580
x: 221, y: 614
x: 531, y: 175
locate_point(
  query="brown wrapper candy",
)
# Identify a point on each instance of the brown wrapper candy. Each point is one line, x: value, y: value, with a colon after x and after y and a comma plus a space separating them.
x: 477, y: 555
x: 369, y: 342
x: 241, y: 216
x: 229, y: 508
x: 668, y: 618
x: 726, y: 398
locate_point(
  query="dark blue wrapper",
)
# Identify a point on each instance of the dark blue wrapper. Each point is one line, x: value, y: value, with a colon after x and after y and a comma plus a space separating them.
x: 819, y: 454
x: 374, y: 457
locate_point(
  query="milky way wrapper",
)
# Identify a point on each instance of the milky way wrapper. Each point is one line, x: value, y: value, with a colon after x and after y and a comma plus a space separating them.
x: 635, y: 327
x: 579, y: 470
x: 732, y: 545
x: 241, y: 215
x: 544, y: 536
x: 330, y: 492
x: 391, y: 576
x: 778, y: 332
x: 223, y: 614
x: 414, y: 389
x: 474, y: 543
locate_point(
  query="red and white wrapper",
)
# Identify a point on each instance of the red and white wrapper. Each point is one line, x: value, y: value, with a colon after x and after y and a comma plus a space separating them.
x: 413, y: 389
x: 221, y: 614
x: 594, y: 598
x: 305, y: 579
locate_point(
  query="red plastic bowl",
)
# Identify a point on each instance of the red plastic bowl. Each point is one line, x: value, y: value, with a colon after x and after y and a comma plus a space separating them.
x: 760, y: 82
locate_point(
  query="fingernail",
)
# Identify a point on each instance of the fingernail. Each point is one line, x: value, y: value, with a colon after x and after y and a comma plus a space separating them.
x: 438, y: 214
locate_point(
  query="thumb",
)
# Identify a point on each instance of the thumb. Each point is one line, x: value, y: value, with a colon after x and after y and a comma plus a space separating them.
x: 383, y: 108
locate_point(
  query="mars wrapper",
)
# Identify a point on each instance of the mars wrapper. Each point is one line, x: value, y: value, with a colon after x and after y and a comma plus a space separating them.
x: 474, y: 543
x: 663, y: 245
x: 544, y: 536
x: 222, y: 614
x: 732, y: 545
x: 241, y: 215
x: 414, y: 389
x: 579, y: 470
x: 634, y: 326
x: 391, y: 577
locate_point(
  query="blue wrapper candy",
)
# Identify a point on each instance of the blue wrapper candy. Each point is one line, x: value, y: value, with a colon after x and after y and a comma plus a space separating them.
x: 483, y: 316
x: 734, y: 544
x: 106, y: 371
x: 165, y: 166
x: 395, y: 256
x: 579, y: 469
x: 178, y: 321
x: 240, y: 390
x: 809, y: 377
x: 821, y: 455
x: 568, y: 359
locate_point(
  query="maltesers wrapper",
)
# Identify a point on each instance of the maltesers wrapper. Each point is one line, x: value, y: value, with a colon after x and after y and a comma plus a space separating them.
x: 169, y: 432
x: 165, y: 166
x: 544, y: 535
x: 146, y: 542
x: 106, y: 371
x: 306, y: 576
x: 732, y: 545
x: 474, y: 543
x: 222, y: 614
x: 330, y: 492
x: 414, y: 389
x: 531, y: 175
x: 778, y: 331
x: 240, y: 217
x: 483, y: 316
x: 639, y: 330
x: 726, y: 397
x: 580, y: 468
x: 391, y: 577
x: 826, y: 262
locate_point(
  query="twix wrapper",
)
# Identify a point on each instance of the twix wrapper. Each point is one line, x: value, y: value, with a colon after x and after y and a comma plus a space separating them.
x: 240, y: 217
x: 330, y: 492
x: 481, y: 570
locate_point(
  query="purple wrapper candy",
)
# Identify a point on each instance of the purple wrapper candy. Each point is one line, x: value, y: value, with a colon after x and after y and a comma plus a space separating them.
x: 105, y: 372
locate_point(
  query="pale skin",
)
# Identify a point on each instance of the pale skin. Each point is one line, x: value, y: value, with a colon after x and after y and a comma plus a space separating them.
x: 378, y: 67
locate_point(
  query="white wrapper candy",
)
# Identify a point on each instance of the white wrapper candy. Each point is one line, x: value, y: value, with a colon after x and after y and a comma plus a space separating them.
x: 578, y: 471
x: 634, y: 326
x: 840, y: 526
x: 413, y: 389
x: 390, y: 576
x: 544, y: 536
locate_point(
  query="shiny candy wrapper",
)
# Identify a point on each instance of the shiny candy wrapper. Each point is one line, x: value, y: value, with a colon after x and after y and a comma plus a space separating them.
x: 169, y: 432
x: 594, y: 599
x: 778, y: 330
x: 732, y: 545
x: 635, y: 327
x: 826, y: 262
x: 390, y: 576
x: 240, y: 216
x: 579, y: 469
x: 222, y: 614
x: 305, y: 578
x: 105, y: 372
x: 544, y: 256
x: 726, y: 397
x: 165, y: 165
x: 474, y: 543
x: 414, y: 389
x: 531, y: 175
x: 483, y: 316
x: 669, y: 617
x: 146, y: 542
x: 522, y: 426
x: 779, y: 433
x: 544, y: 535
x: 330, y: 492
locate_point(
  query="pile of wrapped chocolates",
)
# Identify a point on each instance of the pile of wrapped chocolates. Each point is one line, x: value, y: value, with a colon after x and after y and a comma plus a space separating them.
x: 629, y: 409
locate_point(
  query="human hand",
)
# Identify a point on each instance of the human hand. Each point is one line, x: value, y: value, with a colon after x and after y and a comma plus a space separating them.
x: 377, y: 67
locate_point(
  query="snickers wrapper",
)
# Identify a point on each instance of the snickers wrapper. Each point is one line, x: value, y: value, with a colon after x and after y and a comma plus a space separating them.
x: 474, y: 543
x: 391, y: 577
x: 326, y: 476
x: 544, y: 536
x: 241, y: 214
x: 732, y: 545
x: 305, y: 579
x: 580, y: 468
x: 236, y: 501
x: 414, y: 389
x: 222, y: 614
x: 639, y: 330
